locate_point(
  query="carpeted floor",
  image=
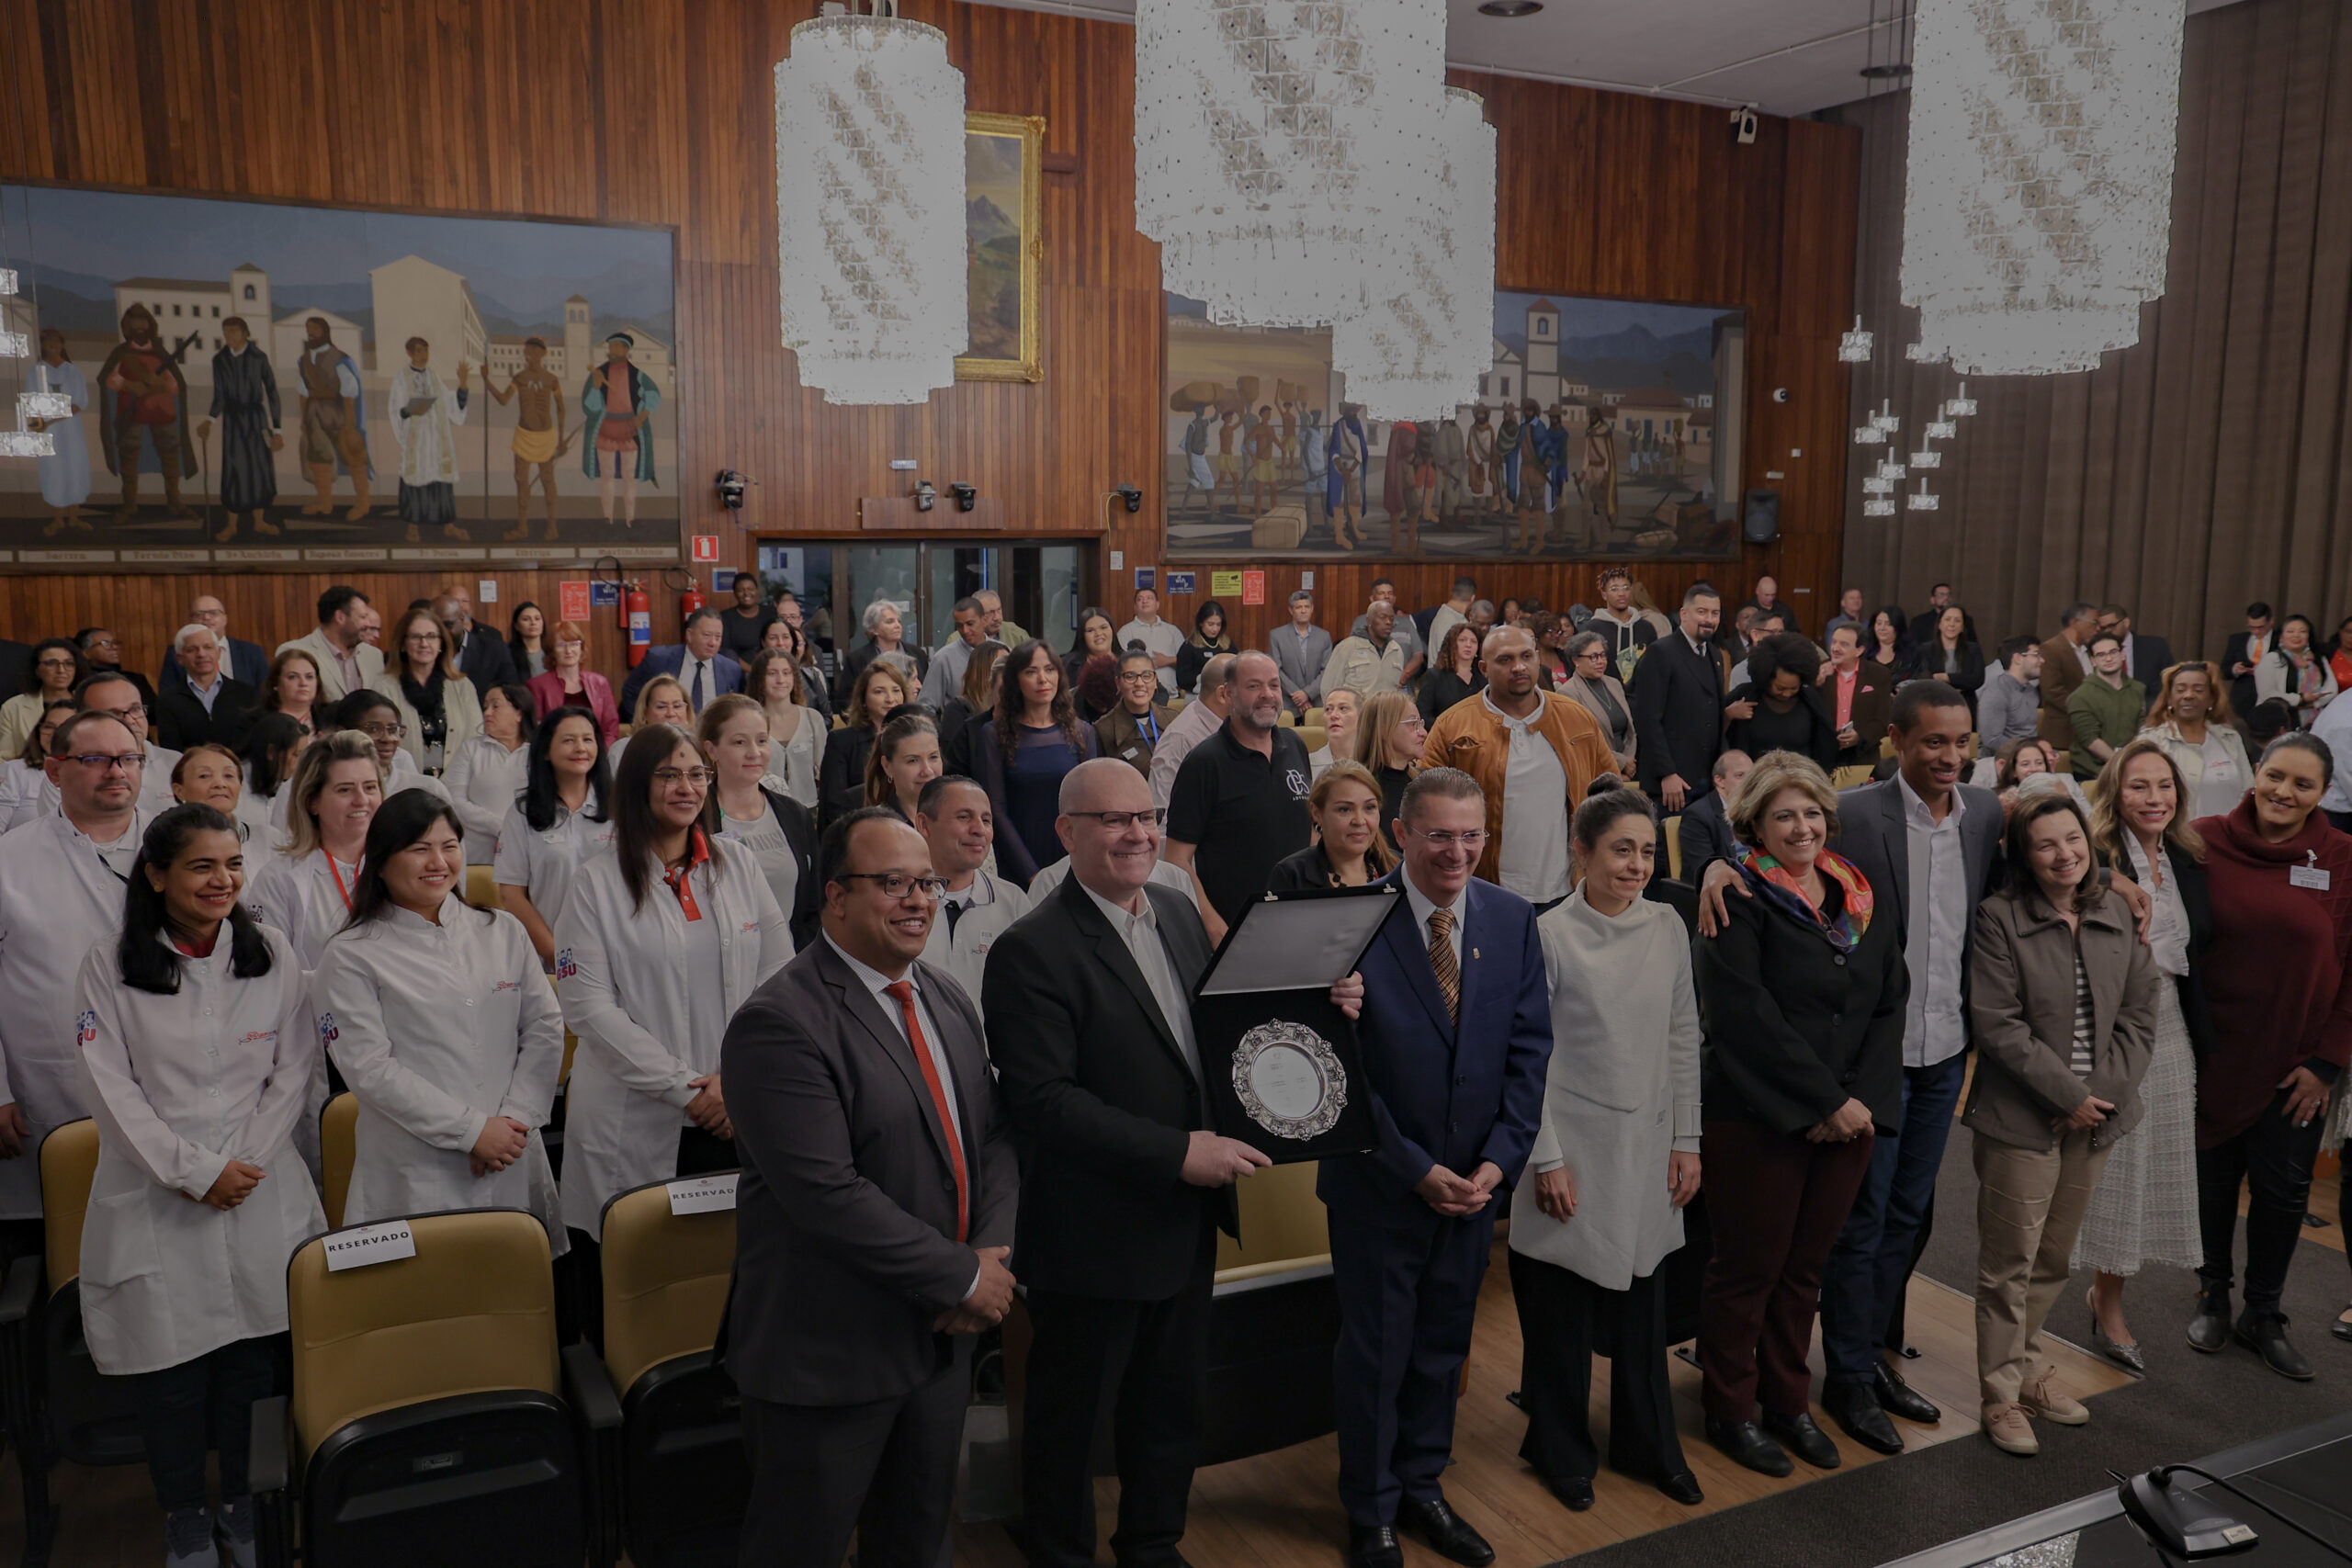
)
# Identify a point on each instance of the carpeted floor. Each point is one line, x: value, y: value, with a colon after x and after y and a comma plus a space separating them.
x: 2189, y: 1406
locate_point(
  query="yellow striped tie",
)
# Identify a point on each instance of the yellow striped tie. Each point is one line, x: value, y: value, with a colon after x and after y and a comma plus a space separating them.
x: 1441, y: 962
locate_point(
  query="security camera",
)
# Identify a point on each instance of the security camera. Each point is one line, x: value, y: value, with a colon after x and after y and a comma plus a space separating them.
x: 1779, y: 394
x: 965, y: 496
x: 1131, y: 495
x: 732, y: 486
x: 925, y: 496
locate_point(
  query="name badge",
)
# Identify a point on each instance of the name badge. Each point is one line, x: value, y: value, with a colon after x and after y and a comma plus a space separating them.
x: 2311, y: 876
x: 364, y: 1245
x: 703, y: 1194
x: 1129, y: 753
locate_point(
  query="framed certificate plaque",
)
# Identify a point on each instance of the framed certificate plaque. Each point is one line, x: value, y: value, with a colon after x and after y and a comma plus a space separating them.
x: 1280, y: 1061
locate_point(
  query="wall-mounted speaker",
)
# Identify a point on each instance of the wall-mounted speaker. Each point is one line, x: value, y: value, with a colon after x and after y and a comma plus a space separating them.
x: 1760, y: 523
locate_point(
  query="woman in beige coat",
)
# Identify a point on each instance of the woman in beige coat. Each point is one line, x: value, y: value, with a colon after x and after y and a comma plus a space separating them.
x: 2063, y: 998
x: 439, y: 711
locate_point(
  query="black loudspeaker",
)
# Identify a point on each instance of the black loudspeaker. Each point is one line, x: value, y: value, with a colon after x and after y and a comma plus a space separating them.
x: 1761, y: 523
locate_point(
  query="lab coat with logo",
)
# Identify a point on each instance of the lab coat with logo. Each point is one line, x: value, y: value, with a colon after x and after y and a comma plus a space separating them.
x: 546, y: 862
x: 965, y: 955
x: 301, y: 897
x: 181, y: 1085
x: 439, y: 1028
x: 58, y: 902
x: 621, y: 974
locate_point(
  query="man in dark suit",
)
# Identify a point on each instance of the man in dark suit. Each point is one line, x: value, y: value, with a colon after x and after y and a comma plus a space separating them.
x: 2145, y: 659
x: 2245, y: 650
x: 208, y: 706
x: 873, y: 1219
x: 1679, y: 712
x: 483, y: 657
x: 247, y: 662
x: 1455, y: 1046
x: 1123, y: 1187
x: 696, y: 664
x: 2065, y: 663
x: 1705, y: 828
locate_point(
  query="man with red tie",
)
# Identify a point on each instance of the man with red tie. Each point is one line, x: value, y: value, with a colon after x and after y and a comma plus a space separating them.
x: 873, y: 1218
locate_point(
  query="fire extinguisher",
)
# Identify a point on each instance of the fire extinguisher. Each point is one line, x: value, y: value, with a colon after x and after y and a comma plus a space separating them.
x: 637, y: 620
x: 689, y: 601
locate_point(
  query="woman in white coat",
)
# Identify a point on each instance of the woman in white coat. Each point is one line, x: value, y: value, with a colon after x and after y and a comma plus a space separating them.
x: 305, y: 890
x: 658, y: 945
x: 486, y: 773
x: 194, y: 1041
x: 445, y: 1029
x: 375, y: 715
x: 1615, y: 1161
x: 23, y: 781
x: 555, y: 823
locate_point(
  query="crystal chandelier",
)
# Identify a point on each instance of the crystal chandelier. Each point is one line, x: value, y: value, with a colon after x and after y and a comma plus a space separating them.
x: 1854, y: 348
x: 1426, y: 334
x: 1280, y: 142
x: 869, y: 194
x: 2039, y: 207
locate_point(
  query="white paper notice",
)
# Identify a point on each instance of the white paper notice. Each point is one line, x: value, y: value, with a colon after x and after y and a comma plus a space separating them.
x: 363, y: 1244
x: 703, y: 1194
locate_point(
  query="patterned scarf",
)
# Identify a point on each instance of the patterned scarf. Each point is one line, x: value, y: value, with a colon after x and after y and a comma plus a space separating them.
x: 1769, y: 880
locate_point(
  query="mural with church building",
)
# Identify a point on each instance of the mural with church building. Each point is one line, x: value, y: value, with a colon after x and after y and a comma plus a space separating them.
x: 249, y: 383
x: 1602, y: 428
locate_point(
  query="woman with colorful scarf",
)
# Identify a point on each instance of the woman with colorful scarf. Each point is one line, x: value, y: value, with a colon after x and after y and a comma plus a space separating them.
x: 1802, y: 998
x: 2295, y: 672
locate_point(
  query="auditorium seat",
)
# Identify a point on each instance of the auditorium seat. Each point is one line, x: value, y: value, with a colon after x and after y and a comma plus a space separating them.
x: 58, y: 1404
x: 1273, y: 1322
x: 429, y: 1421
x: 1851, y: 775
x: 482, y: 889
x: 1315, y: 737
x: 675, y: 1476
x: 1671, y: 831
x: 338, y: 1148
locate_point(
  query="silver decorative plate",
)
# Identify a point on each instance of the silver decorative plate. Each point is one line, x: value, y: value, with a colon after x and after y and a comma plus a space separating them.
x: 1289, y: 1080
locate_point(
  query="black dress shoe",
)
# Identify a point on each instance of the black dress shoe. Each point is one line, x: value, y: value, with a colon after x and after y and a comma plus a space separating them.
x: 1373, y: 1546
x: 1576, y: 1491
x: 2209, y: 1330
x: 1855, y: 1406
x: 1812, y: 1444
x: 2342, y: 1330
x: 1897, y: 1397
x: 1683, y: 1487
x: 1446, y: 1533
x: 1745, y: 1441
x: 2264, y: 1334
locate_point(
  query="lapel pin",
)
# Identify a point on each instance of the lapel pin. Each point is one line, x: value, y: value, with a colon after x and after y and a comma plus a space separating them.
x: 1473, y: 952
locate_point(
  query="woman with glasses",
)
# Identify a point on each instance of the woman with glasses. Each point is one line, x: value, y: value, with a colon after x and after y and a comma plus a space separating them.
x: 657, y: 944
x: 57, y: 667
x: 557, y: 822
x: 567, y: 683
x: 779, y: 831
x: 441, y: 1021
x: 291, y: 687
x: 1591, y: 681
x: 795, y: 732
x: 373, y: 714
x: 1024, y: 749
x: 439, y: 710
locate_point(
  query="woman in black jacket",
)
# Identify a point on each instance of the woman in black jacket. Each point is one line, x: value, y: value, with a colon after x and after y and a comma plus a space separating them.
x: 1453, y: 672
x: 1208, y: 640
x: 1802, y: 998
x: 1791, y: 712
x: 1947, y: 653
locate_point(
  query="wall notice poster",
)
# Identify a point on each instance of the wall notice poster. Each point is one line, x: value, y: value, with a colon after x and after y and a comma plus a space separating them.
x: 1253, y: 588
x: 572, y: 601
x: 1225, y: 584
x: 256, y: 384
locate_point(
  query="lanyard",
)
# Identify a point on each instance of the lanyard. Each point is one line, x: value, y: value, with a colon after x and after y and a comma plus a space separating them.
x: 1149, y: 724
x: 339, y: 887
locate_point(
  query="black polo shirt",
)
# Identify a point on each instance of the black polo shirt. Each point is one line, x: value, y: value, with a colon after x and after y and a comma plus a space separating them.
x: 1243, y: 812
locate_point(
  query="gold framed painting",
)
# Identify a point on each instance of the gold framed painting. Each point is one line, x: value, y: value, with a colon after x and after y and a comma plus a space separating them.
x: 1004, y: 245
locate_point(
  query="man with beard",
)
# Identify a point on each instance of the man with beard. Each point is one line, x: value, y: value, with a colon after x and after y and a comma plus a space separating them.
x: 245, y: 399
x: 539, y: 430
x: 335, y: 422
x: 149, y: 396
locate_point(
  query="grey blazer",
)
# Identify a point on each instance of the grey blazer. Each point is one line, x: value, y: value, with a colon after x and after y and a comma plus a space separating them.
x: 845, y: 1215
x: 1301, y: 659
x: 1871, y: 834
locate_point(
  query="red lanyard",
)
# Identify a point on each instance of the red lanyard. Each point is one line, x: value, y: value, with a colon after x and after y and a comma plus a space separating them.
x: 681, y: 880
x: 339, y: 887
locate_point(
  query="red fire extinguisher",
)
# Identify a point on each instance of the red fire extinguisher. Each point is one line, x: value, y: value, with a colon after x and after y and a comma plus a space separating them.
x: 637, y: 620
x: 690, y: 601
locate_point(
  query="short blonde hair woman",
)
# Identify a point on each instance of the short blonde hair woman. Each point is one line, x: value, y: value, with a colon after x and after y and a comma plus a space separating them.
x: 1774, y: 771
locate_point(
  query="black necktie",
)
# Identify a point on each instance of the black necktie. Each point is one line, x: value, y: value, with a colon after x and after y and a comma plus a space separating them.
x: 699, y: 699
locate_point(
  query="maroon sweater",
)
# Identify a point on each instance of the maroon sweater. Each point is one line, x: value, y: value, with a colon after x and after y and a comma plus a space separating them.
x: 2279, y: 972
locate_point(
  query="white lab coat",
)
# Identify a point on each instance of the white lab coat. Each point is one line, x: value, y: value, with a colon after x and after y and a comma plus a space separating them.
x: 483, y: 778
x: 21, y: 791
x: 301, y: 897
x: 439, y: 1028
x: 965, y: 955
x: 544, y: 864
x: 57, y: 903
x: 181, y: 1085
x: 621, y: 974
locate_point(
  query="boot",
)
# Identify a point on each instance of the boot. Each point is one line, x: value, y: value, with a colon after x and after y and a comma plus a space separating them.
x: 2209, y: 1330
x: 2263, y: 1330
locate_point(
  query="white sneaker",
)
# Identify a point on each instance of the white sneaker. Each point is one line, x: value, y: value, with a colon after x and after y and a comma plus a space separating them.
x: 187, y: 1540
x: 234, y: 1531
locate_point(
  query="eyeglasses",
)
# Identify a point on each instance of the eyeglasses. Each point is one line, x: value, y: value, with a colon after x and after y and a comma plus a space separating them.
x: 698, y: 777
x: 135, y: 710
x: 58, y: 662
x: 100, y: 762
x: 1474, y: 838
x: 1120, y: 821
x: 897, y: 884
x: 382, y: 731
x: 1138, y: 676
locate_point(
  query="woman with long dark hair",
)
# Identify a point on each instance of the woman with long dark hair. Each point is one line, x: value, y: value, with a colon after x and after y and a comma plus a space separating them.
x: 527, y: 640
x: 971, y: 706
x: 659, y: 944
x: 486, y: 772
x: 904, y: 759
x: 196, y: 1045
x: 1348, y: 851
x: 274, y: 742
x: 1208, y: 640
x: 2297, y: 672
x: 1097, y: 634
x: 780, y: 832
x: 439, y: 711
x: 877, y: 692
x: 796, y: 732
x: 1886, y: 646
x: 1453, y: 674
x: 54, y: 674
x: 1033, y: 739
x: 291, y: 687
x: 442, y: 1022
x: 557, y: 822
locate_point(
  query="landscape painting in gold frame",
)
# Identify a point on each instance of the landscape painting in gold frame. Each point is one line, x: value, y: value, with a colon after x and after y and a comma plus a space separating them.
x: 1004, y: 247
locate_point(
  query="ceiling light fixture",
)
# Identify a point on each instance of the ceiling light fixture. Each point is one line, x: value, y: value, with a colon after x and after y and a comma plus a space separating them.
x: 1510, y: 8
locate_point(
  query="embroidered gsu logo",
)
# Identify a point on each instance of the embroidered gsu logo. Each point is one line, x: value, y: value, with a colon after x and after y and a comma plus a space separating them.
x: 328, y: 1033
x: 565, y: 967
x: 85, y: 1030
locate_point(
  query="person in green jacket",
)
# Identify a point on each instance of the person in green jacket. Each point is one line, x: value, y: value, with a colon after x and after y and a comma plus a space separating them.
x: 2107, y: 709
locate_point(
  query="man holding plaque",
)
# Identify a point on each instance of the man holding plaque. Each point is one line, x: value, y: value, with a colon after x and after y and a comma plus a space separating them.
x: 1087, y: 1001
x: 1456, y: 1036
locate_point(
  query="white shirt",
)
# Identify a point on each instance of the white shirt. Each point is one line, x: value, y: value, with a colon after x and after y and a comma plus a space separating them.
x: 1934, y: 1028
x: 1533, y: 854
x: 2332, y: 728
x: 1186, y: 730
x: 1423, y: 908
x: 2168, y: 921
x: 483, y: 779
x: 546, y: 864
x: 1149, y: 950
x: 960, y: 945
x: 1159, y: 637
x: 688, y: 668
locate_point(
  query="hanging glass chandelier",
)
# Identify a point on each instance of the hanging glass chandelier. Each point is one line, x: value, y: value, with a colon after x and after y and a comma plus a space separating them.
x: 1426, y: 333
x: 1279, y: 144
x: 869, y: 191
x: 2039, y: 207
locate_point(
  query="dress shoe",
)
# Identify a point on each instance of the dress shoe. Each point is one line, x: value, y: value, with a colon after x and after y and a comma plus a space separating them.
x: 1745, y: 1441
x: 2209, y: 1330
x: 1446, y: 1533
x: 1683, y: 1487
x: 1575, y: 1491
x: 1897, y: 1397
x: 2122, y: 1352
x: 2264, y: 1334
x: 1812, y: 1444
x: 2044, y: 1402
x: 2342, y: 1329
x: 1373, y: 1546
x: 2011, y: 1431
x: 1854, y: 1407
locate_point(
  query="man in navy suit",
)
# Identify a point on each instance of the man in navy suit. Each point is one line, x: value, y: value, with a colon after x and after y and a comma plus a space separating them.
x: 697, y: 664
x: 1456, y: 1043
x: 245, y: 662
